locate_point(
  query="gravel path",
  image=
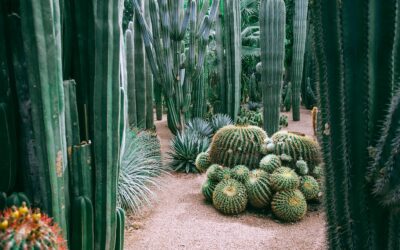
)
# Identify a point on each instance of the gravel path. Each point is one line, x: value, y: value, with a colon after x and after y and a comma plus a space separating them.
x: 181, y: 219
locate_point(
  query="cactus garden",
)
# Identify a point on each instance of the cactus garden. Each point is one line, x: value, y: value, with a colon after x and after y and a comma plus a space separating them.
x: 199, y: 124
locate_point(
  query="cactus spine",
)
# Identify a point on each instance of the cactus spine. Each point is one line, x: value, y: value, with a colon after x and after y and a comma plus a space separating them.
x: 299, y: 43
x: 354, y: 93
x: 106, y: 120
x: 46, y: 92
x: 272, y: 28
x: 232, y: 35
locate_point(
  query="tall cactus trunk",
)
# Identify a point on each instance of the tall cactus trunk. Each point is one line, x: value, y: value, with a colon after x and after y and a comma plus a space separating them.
x: 106, y: 119
x: 272, y: 28
x: 130, y: 70
x: 158, y: 101
x: 355, y: 46
x: 232, y: 32
x: 299, y: 42
x: 149, y: 81
x: 221, y: 104
x: 41, y: 31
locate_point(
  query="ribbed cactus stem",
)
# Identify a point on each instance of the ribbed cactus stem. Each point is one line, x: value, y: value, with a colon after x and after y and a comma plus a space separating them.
x: 82, y: 226
x: 130, y: 69
x: 299, y: 43
x: 41, y: 31
x: 272, y: 28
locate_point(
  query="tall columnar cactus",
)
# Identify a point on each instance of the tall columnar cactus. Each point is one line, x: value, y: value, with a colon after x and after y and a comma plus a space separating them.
x: 163, y: 41
x: 299, y: 43
x: 272, y: 28
x: 233, y: 67
x: 106, y: 120
x: 149, y: 80
x: 82, y: 224
x: 42, y: 46
x: 355, y: 45
x: 130, y: 70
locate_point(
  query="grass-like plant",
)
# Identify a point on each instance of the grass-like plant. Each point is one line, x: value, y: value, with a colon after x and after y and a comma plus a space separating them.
x: 220, y: 120
x: 185, y: 147
x: 141, y: 168
x: 201, y: 126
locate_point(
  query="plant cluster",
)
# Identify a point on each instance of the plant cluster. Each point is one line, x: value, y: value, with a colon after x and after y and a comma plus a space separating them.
x: 282, y: 180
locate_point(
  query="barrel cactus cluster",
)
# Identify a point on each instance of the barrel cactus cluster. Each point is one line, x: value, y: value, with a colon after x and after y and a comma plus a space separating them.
x: 245, y: 168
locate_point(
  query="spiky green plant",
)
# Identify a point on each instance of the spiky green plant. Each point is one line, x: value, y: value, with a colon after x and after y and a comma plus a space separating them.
x: 289, y: 206
x: 309, y: 187
x: 270, y: 163
x: 240, y: 173
x: 302, y: 167
x: 219, y: 121
x: 185, y: 147
x: 140, y: 168
x: 214, y: 172
x: 207, y: 189
x: 200, y: 126
x: 284, y: 179
x: 258, y: 188
x: 318, y: 172
x: 202, y: 161
x: 230, y: 197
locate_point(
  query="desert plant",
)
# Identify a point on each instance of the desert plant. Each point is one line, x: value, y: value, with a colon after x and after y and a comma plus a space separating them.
x: 200, y: 126
x: 270, y: 163
x: 214, y: 172
x: 240, y: 173
x: 249, y: 117
x: 302, y: 167
x: 207, y: 189
x: 309, y: 187
x: 185, y: 148
x: 258, y: 188
x: 289, y: 206
x: 202, y: 161
x: 20, y: 228
x: 284, y: 179
x: 237, y: 145
x: 141, y: 167
x: 230, y: 197
x: 219, y: 121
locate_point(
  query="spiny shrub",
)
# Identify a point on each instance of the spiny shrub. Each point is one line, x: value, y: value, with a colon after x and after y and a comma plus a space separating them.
x: 185, y: 148
x: 237, y: 145
x: 230, y: 197
x: 207, y: 189
x: 289, y: 206
x: 200, y: 126
x: 240, y: 173
x: 309, y: 187
x: 270, y: 163
x: 284, y: 179
x: 20, y: 228
x: 219, y: 121
x: 248, y: 117
x: 258, y: 188
x: 202, y: 161
x: 140, y: 168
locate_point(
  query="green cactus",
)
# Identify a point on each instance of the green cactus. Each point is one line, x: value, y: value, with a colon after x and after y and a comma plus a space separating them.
x: 106, y: 121
x: 284, y: 179
x: 272, y: 35
x: 230, y: 197
x: 44, y: 68
x: 309, y: 187
x: 302, y: 167
x: 270, y: 163
x: 237, y: 145
x: 289, y: 206
x: 299, y: 44
x: 131, y: 82
x: 214, y: 172
x: 287, y: 102
x: 119, y: 243
x: 258, y: 188
x: 17, y: 199
x: 207, y: 189
x: 3, y: 201
x: 149, y: 80
x: 202, y: 161
x: 240, y: 173
x: 297, y: 147
x: 8, y: 159
x: 81, y: 171
x: 82, y: 226
x: 318, y: 172
x: 354, y: 95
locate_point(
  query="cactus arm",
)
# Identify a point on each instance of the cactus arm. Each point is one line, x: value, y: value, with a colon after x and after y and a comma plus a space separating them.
x: 130, y: 64
x: 82, y: 224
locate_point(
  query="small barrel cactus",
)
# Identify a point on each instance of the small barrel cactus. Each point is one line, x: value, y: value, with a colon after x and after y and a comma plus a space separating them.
x: 258, y: 188
x: 309, y: 187
x: 270, y: 163
x: 284, y: 179
x: 301, y: 167
x: 237, y: 145
x: 20, y: 228
x: 230, y: 197
x: 318, y: 172
x: 240, y: 173
x: 289, y: 206
x: 207, y: 189
x: 202, y: 162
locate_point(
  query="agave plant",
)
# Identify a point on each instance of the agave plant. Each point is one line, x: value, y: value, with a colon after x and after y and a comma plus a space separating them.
x: 185, y: 147
x: 200, y: 126
x: 220, y: 120
x: 141, y: 168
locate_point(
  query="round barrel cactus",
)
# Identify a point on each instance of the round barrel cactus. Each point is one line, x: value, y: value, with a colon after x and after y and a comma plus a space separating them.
x: 309, y: 187
x: 284, y: 179
x: 289, y: 206
x: 237, y: 145
x: 230, y: 197
x: 202, y: 162
x: 270, y: 163
x: 258, y: 188
x: 240, y: 173
x: 207, y: 189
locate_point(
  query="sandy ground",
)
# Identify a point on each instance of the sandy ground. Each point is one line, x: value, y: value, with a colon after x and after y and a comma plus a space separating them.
x: 181, y: 219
